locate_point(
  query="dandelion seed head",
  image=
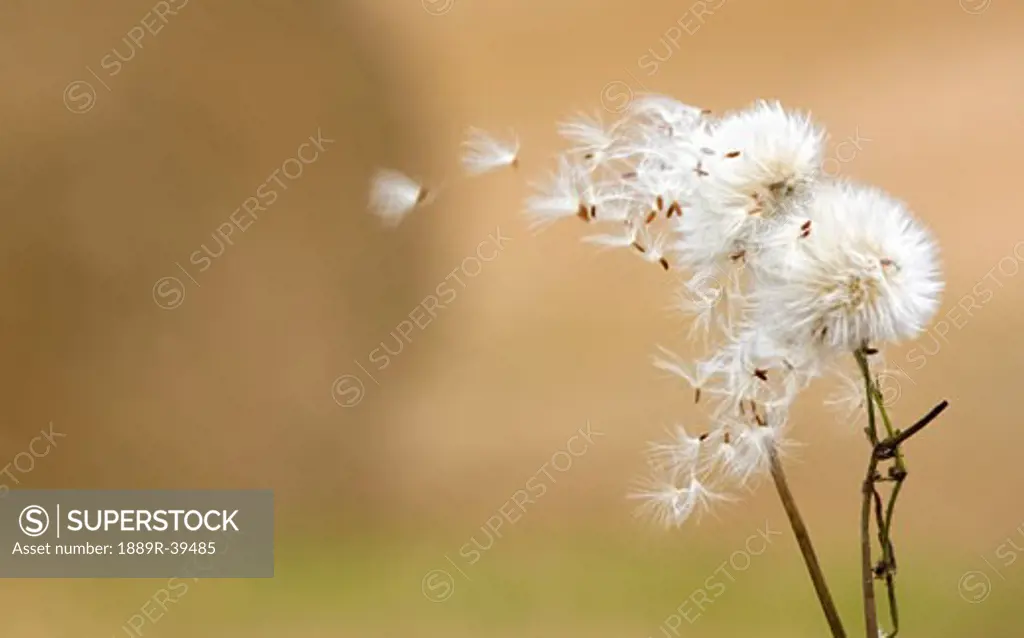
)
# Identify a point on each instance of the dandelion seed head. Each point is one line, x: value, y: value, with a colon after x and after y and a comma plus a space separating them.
x: 782, y: 269
x: 869, y: 273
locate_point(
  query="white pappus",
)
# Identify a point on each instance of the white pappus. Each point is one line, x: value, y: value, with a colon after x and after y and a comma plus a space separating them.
x: 786, y: 268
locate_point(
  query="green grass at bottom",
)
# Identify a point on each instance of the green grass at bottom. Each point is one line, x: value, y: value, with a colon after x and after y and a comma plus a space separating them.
x: 563, y: 585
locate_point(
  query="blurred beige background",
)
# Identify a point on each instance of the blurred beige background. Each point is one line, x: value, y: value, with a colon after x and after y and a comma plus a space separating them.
x: 106, y: 189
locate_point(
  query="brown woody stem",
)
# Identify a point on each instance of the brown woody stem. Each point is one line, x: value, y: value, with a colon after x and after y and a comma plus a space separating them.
x: 803, y: 539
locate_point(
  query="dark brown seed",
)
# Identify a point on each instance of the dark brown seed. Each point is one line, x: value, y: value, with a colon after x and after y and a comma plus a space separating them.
x: 732, y: 154
x: 761, y: 374
x: 583, y: 213
x: 674, y: 208
x: 664, y: 263
x: 659, y: 201
x: 639, y: 247
x: 696, y: 395
x: 651, y: 216
x: 593, y: 211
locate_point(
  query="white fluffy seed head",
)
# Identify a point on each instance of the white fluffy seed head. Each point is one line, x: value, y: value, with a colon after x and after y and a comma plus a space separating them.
x: 755, y: 165
x: 764, y: 150
x: 866, y: 272
x: 783, y: 268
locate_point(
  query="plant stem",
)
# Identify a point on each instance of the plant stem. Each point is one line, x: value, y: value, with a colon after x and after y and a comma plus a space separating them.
x: 867, y: 574
x: 882, y: 450
x: 868, y: 494
x: 917, y: 427
x: 862, y: 363
x: 803, y: 539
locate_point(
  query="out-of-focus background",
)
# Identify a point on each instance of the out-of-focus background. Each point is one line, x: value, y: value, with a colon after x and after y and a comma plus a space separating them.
x: 123, y: 154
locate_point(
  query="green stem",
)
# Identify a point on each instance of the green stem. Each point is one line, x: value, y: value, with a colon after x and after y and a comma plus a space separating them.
x: 869, y: 493
x: 875, y: 398
x: 869, y: 394
x: 867, y: 574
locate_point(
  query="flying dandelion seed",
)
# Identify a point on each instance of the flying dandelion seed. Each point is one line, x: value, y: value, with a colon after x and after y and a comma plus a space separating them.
x: 484, y: 153
x: 393, y: 196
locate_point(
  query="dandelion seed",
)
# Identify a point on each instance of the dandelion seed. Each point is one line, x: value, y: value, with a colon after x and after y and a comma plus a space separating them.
x: 394, y: 195
x: 628, y: 239
x: 485, y: 153
x: 562, y: 197
x: 679, y: 455
x: 590, y: 137
x: 672, y: 505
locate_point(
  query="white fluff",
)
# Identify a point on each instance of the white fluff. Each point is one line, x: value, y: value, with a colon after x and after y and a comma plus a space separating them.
x: 867, y: 272
x: 785, y: 269
x: 393, y: 195
x: 754, y: 165
x: 484, y: 153
x: 674, y: 502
